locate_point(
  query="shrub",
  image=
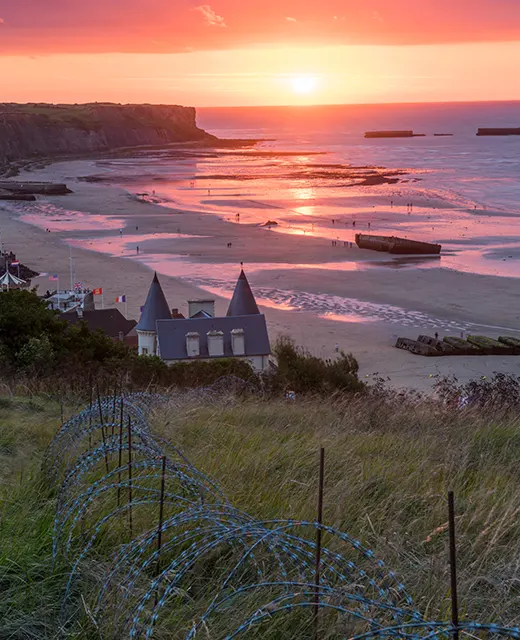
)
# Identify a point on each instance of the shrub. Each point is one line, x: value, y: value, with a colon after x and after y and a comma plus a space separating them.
x: 302, y: 372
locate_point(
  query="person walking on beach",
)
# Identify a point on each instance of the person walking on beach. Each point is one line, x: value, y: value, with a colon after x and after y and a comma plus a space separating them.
x: 120, y: 232
x: 137, y: 249
x: 353, y: 223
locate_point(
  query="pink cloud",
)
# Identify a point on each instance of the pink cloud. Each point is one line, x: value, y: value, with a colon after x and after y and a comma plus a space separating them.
x: 212, y: 19
x: 55, y: 26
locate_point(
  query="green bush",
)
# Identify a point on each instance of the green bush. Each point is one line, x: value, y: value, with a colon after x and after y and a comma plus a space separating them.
x: 302, y: 372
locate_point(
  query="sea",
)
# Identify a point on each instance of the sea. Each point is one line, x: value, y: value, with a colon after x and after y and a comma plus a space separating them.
x: 446, y: 185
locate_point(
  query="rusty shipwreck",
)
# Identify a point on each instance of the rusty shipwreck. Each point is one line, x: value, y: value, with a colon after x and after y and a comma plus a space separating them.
x: 392, y: 244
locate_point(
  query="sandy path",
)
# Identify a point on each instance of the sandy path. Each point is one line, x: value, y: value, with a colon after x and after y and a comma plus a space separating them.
x: 375, y: 304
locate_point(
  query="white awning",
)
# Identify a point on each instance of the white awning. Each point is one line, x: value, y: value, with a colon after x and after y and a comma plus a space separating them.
x: 8, y: 279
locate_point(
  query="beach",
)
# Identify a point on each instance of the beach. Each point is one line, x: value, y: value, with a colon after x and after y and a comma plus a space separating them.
x: 327, y: 297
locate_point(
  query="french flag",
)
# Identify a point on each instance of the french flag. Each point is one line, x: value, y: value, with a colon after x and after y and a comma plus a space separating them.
x: 121, y: 299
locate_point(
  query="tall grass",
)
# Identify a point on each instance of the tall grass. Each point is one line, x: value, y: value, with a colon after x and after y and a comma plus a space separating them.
x: 389, y: 465
x: 31, y: 586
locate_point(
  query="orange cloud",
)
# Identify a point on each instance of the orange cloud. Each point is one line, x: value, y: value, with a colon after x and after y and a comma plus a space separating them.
x: 212, y: 19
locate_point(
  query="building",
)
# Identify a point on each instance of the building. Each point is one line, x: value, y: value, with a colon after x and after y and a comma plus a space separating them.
x: 69, y: 300
x: 110, y: 321
x: 242, y: 333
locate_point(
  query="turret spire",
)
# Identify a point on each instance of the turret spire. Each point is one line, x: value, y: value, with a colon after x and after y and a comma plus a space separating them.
x: 243, y: 302
x: 155, y: 308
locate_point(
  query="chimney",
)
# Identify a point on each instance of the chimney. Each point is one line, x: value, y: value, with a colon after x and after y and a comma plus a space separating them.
x: 238, y: 342
x: 175, y: 313
x: 193, y: 344
x: 121, y: 336
x: 215, y: 343
x: 194, y: 306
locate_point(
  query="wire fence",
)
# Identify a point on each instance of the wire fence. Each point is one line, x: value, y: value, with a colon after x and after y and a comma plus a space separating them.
x: 155, y: 545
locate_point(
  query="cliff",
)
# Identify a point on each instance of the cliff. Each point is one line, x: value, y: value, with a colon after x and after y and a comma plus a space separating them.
x: 45, y: 130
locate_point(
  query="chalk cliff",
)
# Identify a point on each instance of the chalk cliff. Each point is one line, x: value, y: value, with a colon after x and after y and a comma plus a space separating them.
x: 44, y: 130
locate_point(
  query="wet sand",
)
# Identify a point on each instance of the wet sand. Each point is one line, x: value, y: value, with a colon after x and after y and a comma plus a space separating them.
x: 321, y: 295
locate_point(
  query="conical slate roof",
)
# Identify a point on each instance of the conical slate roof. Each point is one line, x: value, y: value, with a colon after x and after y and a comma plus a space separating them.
x: 243, y: 302
x: 155, y: 307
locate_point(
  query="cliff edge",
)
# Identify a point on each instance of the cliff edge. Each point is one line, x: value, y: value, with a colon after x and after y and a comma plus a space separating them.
x: 45, y: 130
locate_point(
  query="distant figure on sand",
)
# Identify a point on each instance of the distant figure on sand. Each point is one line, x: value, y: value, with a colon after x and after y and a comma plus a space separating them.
x: 120, y: 232
x: 137, y: 249
x: 136, y: 228
x: 353, y: 223
x: 436, y: 336
x: 209, y: 192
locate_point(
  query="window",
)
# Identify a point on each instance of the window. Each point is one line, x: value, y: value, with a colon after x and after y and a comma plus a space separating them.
x: 145, y: 351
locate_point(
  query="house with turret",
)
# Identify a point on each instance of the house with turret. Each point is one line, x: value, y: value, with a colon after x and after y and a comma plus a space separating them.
x: 241, y: 333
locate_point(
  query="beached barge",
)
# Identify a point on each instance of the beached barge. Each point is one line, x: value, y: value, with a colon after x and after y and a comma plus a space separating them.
x: 392, y: 244
x: 31, y: 188
x: 453, y: 346
x: 499, y: 131
x: 393, y: 134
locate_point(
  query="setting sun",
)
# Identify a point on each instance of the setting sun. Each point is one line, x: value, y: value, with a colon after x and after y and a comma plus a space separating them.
x: 303, y: 84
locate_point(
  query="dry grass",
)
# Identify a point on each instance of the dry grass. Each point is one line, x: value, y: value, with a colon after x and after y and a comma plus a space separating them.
x: 389, y: 467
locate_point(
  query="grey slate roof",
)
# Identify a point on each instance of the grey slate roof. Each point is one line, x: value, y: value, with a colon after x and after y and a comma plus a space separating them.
x: 171, y: 335
x: 110, y: 321
x: 155, y: 307
x: 243, y: 302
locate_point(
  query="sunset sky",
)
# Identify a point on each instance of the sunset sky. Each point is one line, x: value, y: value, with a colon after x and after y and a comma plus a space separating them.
x: 235, y: 52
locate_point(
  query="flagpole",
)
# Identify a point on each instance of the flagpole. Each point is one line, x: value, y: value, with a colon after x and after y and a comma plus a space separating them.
x: 70, y: 265
x: 102, y: 299
x: 126, y: 308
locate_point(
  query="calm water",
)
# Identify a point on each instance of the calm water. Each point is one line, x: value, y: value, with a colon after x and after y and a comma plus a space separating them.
x: 465, y: 189
x: 485, y: 170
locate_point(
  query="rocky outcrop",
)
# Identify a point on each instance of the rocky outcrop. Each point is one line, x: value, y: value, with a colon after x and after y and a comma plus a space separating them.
x: 43, y: 130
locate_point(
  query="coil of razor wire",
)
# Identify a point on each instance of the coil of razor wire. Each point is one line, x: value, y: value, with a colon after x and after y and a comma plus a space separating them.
x: 171, y: 551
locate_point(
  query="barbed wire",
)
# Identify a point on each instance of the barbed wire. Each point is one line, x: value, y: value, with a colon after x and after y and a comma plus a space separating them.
x: 181, y: 555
